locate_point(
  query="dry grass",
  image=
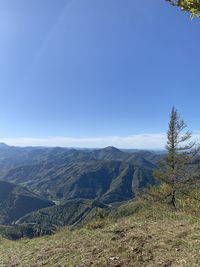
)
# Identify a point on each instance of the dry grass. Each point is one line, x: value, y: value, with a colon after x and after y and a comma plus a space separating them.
x: 132, y: 241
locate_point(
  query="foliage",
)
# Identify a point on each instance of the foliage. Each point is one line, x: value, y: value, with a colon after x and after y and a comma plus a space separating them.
x: 176, y: 169
x: 16, y: 201
x: 187, y: 198
x: 72, y: 213
x: 192, y: 6
x: 16, y: 232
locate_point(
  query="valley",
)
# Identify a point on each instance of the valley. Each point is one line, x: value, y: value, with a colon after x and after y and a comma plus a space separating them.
x: 60, y: 186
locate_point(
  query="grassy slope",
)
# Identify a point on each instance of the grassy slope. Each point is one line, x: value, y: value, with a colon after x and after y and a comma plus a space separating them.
x: 154, y: 236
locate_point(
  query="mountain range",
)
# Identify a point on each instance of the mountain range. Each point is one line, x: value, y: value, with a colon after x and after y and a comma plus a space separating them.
x: 72, y: 178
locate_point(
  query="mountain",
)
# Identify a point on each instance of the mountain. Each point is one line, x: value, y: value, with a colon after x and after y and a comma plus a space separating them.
x: 11, y: 157
x: 108, y: 174
x: 3, y: 145
x: 16, y: 201
x: 109, y: 153
x: 71, y: 213
x: 109, y: 181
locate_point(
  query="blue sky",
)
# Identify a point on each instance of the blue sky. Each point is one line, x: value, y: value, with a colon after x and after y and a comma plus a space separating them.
x: 96, y: 72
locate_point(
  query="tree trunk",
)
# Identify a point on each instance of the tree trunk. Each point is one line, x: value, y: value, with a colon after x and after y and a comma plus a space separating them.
x: 173, y: 200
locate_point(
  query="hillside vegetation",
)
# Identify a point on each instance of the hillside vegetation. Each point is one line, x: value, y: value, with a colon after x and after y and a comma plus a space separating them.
x: 16, y: 201
x: 109, y: 174
x: 71, y: 213
x: 78, y: 181
x: 94, y: 192
x: 137, y: 233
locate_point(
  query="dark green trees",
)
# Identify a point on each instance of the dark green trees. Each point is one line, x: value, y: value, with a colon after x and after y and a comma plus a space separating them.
x: 176, y: 168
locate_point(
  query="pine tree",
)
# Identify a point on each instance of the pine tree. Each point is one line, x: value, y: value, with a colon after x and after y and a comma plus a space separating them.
x: 176, y: 168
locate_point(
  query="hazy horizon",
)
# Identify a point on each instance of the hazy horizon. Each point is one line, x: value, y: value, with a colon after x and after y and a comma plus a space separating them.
x: 143, y: 141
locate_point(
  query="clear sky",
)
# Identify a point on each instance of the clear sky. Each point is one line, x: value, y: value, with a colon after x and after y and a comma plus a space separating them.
x: 96, y: 72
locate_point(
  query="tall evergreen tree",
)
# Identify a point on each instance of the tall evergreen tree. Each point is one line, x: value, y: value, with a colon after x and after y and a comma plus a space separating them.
x: 176, y: 168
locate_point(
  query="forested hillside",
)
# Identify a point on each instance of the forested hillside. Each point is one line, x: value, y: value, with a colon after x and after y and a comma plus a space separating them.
x: 16, y: 201
x: 78, y: 181
x: 62, y: 174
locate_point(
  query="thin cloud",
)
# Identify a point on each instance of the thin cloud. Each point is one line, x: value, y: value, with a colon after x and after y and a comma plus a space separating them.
x: 140, y: 141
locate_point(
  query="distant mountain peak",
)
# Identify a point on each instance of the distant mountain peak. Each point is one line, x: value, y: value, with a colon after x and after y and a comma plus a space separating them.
x: 3, y: 145
x: 111, y: 148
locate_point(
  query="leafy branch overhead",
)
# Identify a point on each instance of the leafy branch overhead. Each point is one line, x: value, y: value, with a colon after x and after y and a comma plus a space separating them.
x: 192, y: 6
